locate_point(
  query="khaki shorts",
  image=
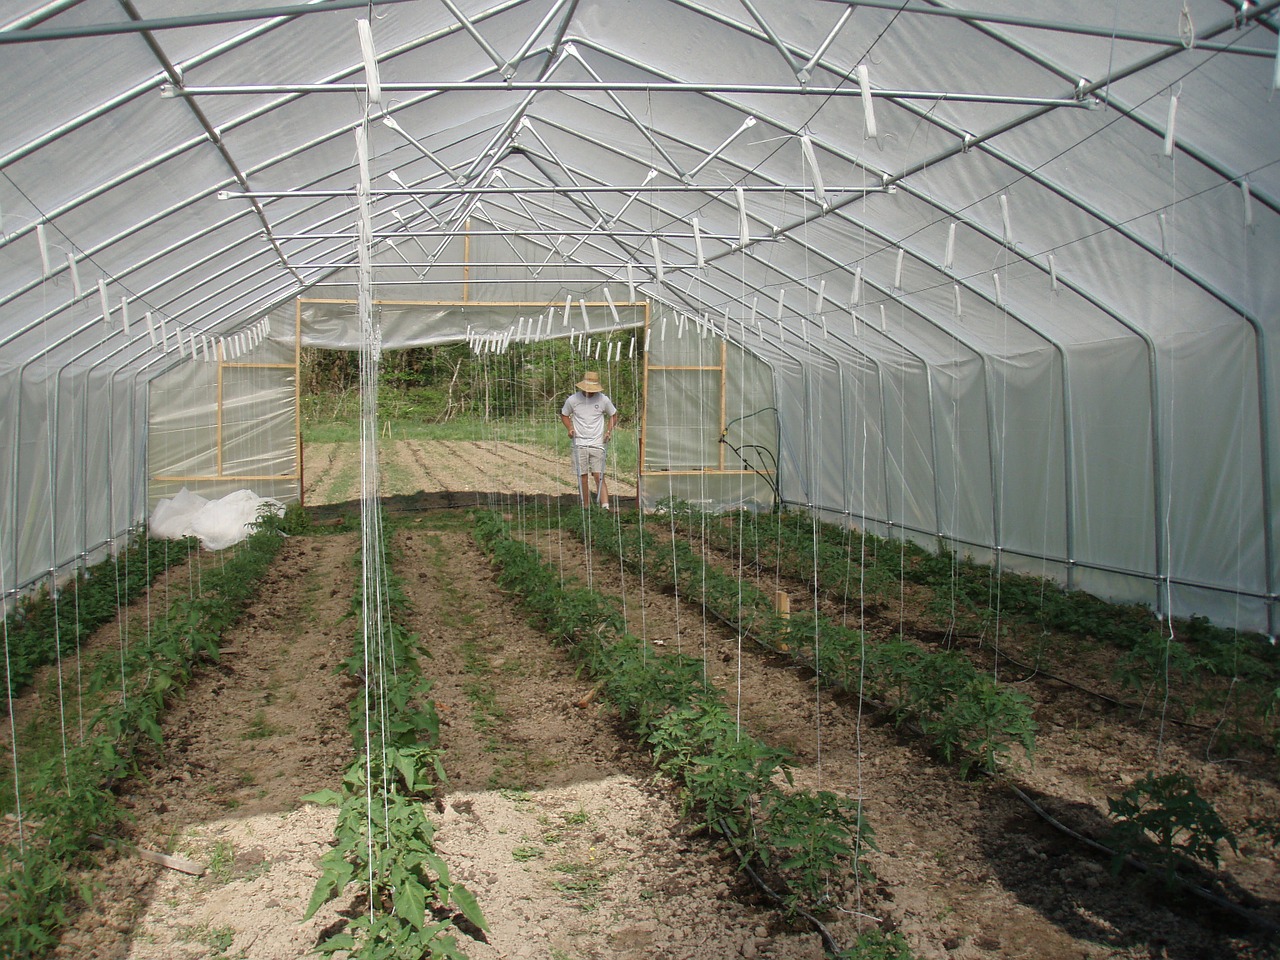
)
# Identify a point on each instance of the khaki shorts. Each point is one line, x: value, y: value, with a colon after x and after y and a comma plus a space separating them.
x: 588, y: 460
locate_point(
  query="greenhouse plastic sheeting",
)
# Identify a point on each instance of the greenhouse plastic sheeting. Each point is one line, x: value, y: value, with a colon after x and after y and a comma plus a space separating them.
x: 1004, y: 272
x: 710, y: 424
x: 217, y: 427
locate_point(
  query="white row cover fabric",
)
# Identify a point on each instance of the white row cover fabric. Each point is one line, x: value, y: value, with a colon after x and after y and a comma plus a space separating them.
x: 218, y: 524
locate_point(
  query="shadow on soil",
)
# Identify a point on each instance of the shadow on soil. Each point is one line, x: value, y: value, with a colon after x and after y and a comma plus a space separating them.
x: 1071, y: 885
x: 452, y: 500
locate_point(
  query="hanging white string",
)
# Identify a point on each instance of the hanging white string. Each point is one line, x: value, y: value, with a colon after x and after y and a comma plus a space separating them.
x: 613, y: 308
x: 372, y: 79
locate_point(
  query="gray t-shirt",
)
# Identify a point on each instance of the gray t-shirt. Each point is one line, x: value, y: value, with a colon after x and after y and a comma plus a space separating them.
x: 588, y: 412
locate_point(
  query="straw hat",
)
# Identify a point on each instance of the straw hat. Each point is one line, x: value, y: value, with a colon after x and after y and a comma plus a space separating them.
x: 590, y: 383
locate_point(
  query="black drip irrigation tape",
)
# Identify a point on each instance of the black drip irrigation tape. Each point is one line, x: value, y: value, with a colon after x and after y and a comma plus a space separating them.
x: 1252, y: 916
x: 1223, y: 903
x: 828, y: 940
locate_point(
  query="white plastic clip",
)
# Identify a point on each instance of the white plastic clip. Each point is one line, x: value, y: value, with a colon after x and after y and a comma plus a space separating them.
x: 75, y: 276
x: 868, y: 108
x: 806, y: 148
x: 613, y: 309
x: 44, y: 250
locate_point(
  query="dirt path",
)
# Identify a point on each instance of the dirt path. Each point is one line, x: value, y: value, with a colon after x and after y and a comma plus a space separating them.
x: 552, y: 817
x: 250, y: 737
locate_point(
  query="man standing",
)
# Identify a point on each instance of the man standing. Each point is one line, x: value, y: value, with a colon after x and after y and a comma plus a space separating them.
x: 590, y: 416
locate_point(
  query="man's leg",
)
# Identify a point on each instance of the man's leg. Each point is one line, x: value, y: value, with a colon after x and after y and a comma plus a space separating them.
x: 582, y: 468
x: 602, y: 491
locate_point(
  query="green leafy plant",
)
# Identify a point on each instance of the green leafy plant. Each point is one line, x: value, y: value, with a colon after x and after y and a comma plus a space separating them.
x: 814, y: 835
x: 51, y: 623
x: 1153, y: 662
x: 1163, y: 819
x: 384, y: 840
x: 878, y: 945
x: 389, y: 853
x: 731, y: 783
x: 971, y: 720
x: 71, y: 794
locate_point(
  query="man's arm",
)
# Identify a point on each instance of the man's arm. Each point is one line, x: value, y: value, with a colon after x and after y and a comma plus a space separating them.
x: 613, y: 422
x: 568, y: 423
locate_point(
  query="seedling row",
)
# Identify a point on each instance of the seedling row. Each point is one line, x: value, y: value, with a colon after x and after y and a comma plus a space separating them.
x: 65, y: 806
x: 806, y: 846
x: 1159, y: 823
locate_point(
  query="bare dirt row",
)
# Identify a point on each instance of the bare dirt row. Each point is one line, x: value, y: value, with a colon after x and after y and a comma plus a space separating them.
x: 415, y: 468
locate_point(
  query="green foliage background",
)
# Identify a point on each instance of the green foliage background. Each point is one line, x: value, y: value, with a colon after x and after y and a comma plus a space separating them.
x: 439, y: 384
